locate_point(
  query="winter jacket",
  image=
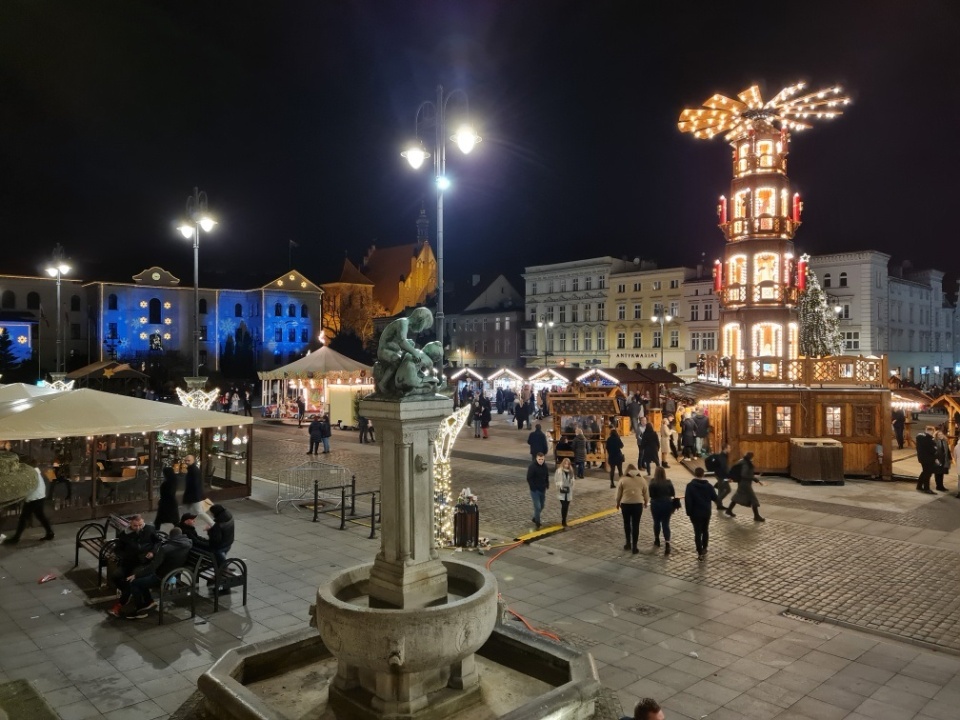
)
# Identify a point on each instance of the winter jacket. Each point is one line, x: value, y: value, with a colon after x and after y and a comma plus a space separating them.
x: 614, y: 448
x: 167, y: 509
x: 579, y: 448
x: 315, y: 430
x: 131, y: 547
x: 171, y: 555
x: 538, y: 476
x: 221, y: 532
x: 325, y: 429
x: 564, y: 479
x: 661, y: 490
x: 699, y: 498
x: 193, y: 486
x: 632, y: 490
x: 649, y: 445
x: 537, y: 441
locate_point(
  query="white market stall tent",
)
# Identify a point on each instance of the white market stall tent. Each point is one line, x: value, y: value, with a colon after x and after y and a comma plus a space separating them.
x: 327, y: 381
x: 20, y: 391
x: 103, y: 452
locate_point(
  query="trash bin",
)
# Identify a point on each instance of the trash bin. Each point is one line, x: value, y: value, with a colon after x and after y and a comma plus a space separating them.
x: 816, y: 460
x: 466, y: 526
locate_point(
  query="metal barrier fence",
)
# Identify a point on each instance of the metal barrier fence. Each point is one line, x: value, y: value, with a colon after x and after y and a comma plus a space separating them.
x: 348, y: 496
x: 296, y: 485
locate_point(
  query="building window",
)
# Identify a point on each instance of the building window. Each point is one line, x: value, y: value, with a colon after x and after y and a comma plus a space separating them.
x: 637, y: 287
x: 278, y: 310
x: 843, y: 279
x: 550, y: 313
x: 832, y: 420
x: 304, y: 335
x: 304, y: 311
x: 563, y: 285
x: 574, y: 313
x: 638, y: 311
x: 863, y: 420
x: 754, y: 419
x: 277, y: 357
x: 561, y: 342
x: 278, y: 334
x: 587, y: 340
x: 238, y: 310
x: 674, y: 284
x: 202, y: 357
x: 621, y: 340
x: 506, y: 323
x: 476, y: 346
x: 694, y: 340
x: 601, y: 282
x: 483, y: 324
x: 674, y: 338
x: 657, y: 339
x: 155, y: 318
x: 111, y: 331
x: 588, y: 283
x: 601, y: 311
x: 845, y: 311
x: 111, y: 302
x: 291, y: 310
x: 33, y: 301
x: 74, y: 331
x: 496, y: 324
x: 575, y: 341
x: 851, y: 340
x: 587, y: 312
x: 826, y: 280
x: 784, y: 419
x: 708, y: 311
x: 621, y: 312
x: 708, y: 341
x: 656, y: 284
x: 694, y: 312
x: 657, y: 309
x: 637, y: 339
x: 506, y: 345
x: 533, y: 288
x: 675, y: 308
x: 575, y: 284
x: 621, y: 288
x: 203, y: 333
x: 292, y: 335
x: 601, y: 340
x: 563, y: 314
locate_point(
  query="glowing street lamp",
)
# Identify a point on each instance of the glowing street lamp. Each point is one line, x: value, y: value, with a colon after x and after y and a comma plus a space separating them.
x: 466, y: 139
x: 56, y: 269
x: 544, y: 323
x: 662, y: 319
x: 198, y: 219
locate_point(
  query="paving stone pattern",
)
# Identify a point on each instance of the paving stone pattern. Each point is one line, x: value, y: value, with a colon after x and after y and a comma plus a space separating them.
x: 944, y: 514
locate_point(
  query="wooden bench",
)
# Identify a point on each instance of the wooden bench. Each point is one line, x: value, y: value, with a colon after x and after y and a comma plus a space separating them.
x: 92, y: 537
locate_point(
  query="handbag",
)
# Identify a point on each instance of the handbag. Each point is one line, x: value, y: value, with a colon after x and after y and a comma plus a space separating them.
x: 676, y: 504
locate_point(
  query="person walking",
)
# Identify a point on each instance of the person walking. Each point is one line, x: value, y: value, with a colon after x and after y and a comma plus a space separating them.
x: 632, y: 497
x: 719, y: 465
x: 477, y: 417
x: 744, y: 475
x: 33, y: 505
x: 167, y: 509
x: 649, y: 448
x: 314, y: 432
x: 702, y: 430
x: 301, y: 410
x: 247, y: 404
x: 484, y: 415
x: 563, y: 479
x: 193, y: 495
x: 538, y: 478
x: 899, y: 422
x: 580, y: 451
x: 943, y: 459
x: 699, y: 499
x: 666, y: 424
x: 615, y: 457
x: 537, y: 441
x: 927, y: 457
x: 662, y: 494
x: 325, y: 432
x: 362, y: 424
x: 688, y: 436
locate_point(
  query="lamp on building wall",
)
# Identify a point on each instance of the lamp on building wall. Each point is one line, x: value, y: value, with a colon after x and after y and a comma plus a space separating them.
x: 546, y: 324
x: 197, y: 219
x: 57, y: 269
x: 466, y: 139
x: 663, y: 320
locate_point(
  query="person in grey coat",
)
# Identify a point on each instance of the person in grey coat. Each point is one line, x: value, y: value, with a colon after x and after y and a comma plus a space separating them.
x: 744, y: 475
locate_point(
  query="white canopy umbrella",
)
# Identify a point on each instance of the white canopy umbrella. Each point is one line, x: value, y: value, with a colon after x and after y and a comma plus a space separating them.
x: 19, y: 391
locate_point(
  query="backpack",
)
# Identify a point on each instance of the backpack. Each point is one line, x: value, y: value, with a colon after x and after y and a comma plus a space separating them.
x: 712, y: 463
x: 736, y: 471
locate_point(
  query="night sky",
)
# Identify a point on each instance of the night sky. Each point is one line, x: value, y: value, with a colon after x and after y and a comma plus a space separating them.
x: 291, y: 116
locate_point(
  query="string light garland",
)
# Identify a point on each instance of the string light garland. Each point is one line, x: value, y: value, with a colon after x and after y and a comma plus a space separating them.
x: 198, y: 399
x: 443, y: 504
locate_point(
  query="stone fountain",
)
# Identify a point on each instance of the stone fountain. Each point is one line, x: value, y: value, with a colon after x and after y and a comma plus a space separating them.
x: 404, y: 632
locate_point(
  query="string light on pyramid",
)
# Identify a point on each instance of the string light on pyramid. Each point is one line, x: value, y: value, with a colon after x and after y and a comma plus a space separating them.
x: 791, y: 108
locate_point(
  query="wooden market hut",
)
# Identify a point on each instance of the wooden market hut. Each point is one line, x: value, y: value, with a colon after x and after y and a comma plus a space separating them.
x: 595, y: 407
x: 109, y: 376
x: 107, y: 451
x: 632, y: 381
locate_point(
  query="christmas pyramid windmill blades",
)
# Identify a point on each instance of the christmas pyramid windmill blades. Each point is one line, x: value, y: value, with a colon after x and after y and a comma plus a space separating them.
x: 790, y: 109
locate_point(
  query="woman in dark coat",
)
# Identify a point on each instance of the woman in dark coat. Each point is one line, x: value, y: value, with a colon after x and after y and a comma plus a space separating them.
x: 614, y: 454
x: 649, y: 448
x: 661, y: 507
x: 167, y: 509
x: 484, y: 415
x: 744, y: 475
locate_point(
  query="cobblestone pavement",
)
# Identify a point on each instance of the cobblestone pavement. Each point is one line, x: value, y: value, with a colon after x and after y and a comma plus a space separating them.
x: 877, y: 583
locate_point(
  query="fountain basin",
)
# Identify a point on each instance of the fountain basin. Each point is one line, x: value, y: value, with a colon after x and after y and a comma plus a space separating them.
x: 387, y: 640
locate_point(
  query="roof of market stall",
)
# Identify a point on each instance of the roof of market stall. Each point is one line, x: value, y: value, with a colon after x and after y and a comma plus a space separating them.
x: 321, y: 364
x: 19, y: 391
x: 78, y: 413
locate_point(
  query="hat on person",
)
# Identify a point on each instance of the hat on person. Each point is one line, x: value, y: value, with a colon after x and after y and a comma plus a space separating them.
x: 187, y: 516
x: 175, y: 532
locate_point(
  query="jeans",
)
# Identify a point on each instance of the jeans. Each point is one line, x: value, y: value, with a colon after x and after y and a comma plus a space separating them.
x: 618, y: 466
x: 723, y: 489
x: 326, y: 444
x: 564, y: 508
x: 140, y: 589
x: 580, y: 467
x: 701, y: 533
x: 476, y: 427
x: 631, y: 521
x: 539, y: 497
x: 314, y: 444
x: 35, y: 508
x: 661, y: 510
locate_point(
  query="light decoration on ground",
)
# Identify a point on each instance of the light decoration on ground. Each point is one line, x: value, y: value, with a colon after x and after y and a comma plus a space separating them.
x: 198, y: 399
x: 790, y: 108
x: 443, y: 501
x: 62, y: 385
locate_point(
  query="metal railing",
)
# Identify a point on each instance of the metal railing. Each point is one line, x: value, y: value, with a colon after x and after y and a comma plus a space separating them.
x: 837, y: 370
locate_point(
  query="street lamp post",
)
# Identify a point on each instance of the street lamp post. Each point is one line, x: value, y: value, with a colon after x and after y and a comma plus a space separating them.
x: 545, y: 324
x: 663, y: 320
x: 197, y: 219
x: 415, y: 154
x: 58, y: 268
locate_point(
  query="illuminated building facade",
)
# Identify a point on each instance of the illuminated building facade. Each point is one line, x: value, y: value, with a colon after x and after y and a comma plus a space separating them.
x: 28, y: 313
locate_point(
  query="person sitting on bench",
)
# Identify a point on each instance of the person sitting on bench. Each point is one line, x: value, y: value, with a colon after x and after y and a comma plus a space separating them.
x: 133, y: 547
x: 172, y: 554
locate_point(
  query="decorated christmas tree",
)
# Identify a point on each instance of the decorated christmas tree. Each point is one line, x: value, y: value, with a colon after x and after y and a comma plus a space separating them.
x: 8, y: 360
x: 819, y: 325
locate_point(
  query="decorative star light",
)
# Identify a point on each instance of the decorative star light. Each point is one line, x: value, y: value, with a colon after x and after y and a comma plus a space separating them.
x: 62, y: 385
x: 198, y: 399
x: 787, y: 109
x: 443, y: 502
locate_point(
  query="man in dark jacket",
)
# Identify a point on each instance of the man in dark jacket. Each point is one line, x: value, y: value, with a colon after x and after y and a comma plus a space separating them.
x: 698, y: 499
x: 220, y: 533
x: 172, y: 554
x: 133, y: 547
x: 538, y: 478
x: 193, y: 494
x: 313, y: 431
x: 899, y: 422
x: 325, y: 432
x: 537, y: 441
x: 702, y: 425
x: 927, y: 457
x: 719, y: 465
x: 188, y: 527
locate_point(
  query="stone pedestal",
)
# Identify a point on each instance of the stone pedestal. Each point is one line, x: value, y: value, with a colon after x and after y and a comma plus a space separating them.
x: 196, y: 383
x: 407, y: 572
